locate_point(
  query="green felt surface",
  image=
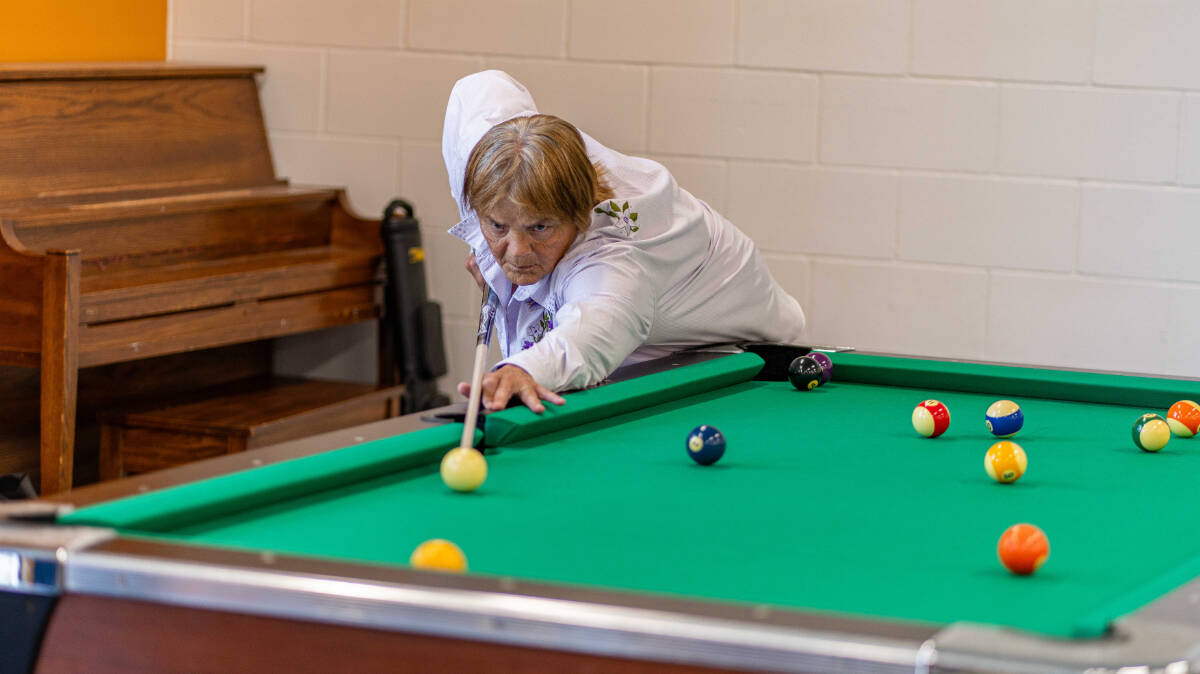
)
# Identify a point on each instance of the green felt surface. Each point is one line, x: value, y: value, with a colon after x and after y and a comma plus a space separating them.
x: 825, y: 500
x: 276, y: 483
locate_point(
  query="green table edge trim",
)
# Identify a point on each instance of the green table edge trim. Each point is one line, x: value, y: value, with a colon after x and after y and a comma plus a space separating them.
x: 519, y: 423
x: 180, y: 506
x: 1013, y: 380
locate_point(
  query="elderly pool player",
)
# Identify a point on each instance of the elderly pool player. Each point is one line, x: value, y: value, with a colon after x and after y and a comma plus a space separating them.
x: 598, y: 259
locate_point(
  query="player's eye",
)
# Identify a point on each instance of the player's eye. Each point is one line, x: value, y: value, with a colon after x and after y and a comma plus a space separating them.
x: 539, y: 227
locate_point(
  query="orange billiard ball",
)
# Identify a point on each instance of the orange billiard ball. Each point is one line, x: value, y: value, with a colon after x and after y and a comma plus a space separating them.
x: 1005, y: 461
x: 1184, y: 418
x: 439, y: 555
x: 1023, y: 548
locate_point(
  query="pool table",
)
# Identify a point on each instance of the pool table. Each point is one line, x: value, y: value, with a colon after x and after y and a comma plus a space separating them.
x: 830, y: 536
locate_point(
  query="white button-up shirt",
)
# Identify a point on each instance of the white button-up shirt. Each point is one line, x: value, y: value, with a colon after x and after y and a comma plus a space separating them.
x: 657, y: 271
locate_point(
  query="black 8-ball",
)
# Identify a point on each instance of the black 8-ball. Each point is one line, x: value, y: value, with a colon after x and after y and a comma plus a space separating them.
x: 805, y: 373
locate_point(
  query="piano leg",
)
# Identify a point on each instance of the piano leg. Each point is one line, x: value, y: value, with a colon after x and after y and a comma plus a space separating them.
x: 60, y: 369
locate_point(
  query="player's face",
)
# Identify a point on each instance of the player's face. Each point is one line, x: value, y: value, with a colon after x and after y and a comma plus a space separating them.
x: 527, y: 246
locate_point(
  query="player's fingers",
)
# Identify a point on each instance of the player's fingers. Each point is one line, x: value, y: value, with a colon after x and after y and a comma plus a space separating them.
x: 473, y: 268
x: 487, y: 386
x: 546, y: 394
x: 464, y: 388
x: 529, y: 396
x: 498, y: 399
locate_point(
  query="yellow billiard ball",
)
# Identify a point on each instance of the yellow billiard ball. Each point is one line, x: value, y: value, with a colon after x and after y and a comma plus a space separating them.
x: 1005, y: 461
x: 464, y: 469
x: 439, y: 555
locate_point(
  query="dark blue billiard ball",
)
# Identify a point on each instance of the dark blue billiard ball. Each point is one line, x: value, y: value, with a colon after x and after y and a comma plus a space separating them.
x: 826, y: 366
x: 805, y: 373
x: 1004, y: 418
x: 705, y: 444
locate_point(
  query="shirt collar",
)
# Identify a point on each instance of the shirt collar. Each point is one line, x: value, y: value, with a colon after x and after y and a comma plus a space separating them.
x: 538, y: 292
x: 468, y: 230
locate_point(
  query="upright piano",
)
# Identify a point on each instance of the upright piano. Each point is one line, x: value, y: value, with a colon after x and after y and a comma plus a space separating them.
x: 140, y: 216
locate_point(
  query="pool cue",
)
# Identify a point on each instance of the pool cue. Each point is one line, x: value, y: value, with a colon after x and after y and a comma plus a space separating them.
x: 483, y: 338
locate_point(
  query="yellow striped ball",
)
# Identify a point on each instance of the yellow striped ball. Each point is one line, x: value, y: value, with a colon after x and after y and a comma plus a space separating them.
x: 1005, y: 461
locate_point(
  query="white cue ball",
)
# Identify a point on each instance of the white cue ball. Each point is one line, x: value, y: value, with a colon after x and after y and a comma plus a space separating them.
x: 464, y: 469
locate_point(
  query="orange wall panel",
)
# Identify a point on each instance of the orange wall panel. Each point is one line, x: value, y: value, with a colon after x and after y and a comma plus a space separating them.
x: 83, y: 30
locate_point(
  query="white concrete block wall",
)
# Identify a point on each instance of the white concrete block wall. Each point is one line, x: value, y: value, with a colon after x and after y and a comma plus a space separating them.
x: 1040, y: 40
x: 864, y: 36
x: 1013, y: 180
x: 733, y: 113
x: 354, y: 23
x: 604, y: 99
x: 1189, y: 150
x: 693, y: 32
x: 1069, y: 132
x: 904, y: 122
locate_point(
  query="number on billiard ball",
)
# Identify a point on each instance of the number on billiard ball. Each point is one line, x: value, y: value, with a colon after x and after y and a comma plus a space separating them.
x: 705, y: 444
x: 805, y: 373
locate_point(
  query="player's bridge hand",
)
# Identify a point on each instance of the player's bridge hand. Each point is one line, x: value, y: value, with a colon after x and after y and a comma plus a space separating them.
x: 508, y: 381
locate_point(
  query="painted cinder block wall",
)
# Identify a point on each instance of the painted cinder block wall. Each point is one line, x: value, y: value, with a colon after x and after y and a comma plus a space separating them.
x: 1013, y: 180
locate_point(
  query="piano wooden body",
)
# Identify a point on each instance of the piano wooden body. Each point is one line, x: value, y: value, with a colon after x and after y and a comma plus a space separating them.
x: 140, y: 216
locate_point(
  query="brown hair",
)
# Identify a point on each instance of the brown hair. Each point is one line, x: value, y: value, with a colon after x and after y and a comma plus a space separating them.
x: 539, y: 163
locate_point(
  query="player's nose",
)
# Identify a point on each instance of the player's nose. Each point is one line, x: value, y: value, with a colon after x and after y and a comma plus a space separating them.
x: 519, y: 245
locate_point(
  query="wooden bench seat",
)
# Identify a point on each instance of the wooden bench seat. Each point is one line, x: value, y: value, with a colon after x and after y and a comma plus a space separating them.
x: 140, y: 216
x: 242, y: 415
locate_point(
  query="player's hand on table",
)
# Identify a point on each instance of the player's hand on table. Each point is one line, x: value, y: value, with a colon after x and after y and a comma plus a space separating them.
x: 509, y: 381
x: 473, y: 267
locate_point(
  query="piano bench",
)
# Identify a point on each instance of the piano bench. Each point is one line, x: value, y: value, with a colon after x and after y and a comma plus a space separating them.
x: 252, y: 413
